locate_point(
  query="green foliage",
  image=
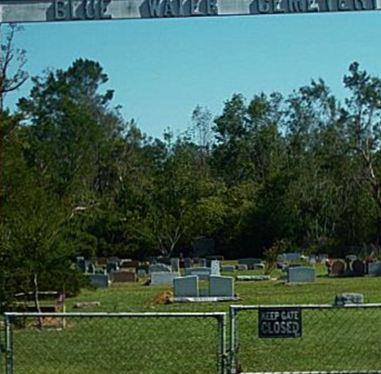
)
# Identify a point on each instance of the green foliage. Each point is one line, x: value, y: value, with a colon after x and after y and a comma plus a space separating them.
x: 81, y: 180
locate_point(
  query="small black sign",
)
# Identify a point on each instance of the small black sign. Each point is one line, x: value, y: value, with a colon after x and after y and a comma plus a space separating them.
x: 280, y: 322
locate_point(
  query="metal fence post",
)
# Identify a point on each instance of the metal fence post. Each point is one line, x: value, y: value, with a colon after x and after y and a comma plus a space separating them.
x: 232, y: 353
x: 222, y: 357
x: 8, y: 344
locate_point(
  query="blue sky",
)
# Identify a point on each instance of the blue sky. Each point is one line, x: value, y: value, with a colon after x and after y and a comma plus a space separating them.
x: 161, y: 69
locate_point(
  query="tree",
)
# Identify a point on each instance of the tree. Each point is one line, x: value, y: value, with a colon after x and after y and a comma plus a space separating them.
x: 12, y: 77
x: 362, y: 117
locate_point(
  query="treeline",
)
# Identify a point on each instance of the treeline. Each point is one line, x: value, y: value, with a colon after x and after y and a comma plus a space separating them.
x: 78, y: 179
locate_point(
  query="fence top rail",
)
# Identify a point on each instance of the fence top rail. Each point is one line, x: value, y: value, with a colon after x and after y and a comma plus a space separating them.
x: 318, y: 372
x: 121, y: 314
x: 305, y: 306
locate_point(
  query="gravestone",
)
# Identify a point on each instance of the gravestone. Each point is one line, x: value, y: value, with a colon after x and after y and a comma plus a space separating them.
x: 99, y: 280
x: 250, y: 262
x: 215, y: 267
x: 242, y: 267
x: 112, y: 266
x: 349, y: 298
x: 322, y: 257
x: 258, y: 266
x: 90, y: 268
x: 374, y: 269
x: 351, y: 257
x: 187, y: 262
x: 163, y: 277
x: 175, y: 264
x: 122, y: 276
x: 142, y: 273
x: 209, y: 259
x: 114, y: 259
x: 255, y: 278
x: 337, y: 268
x: 159, y: 268
x: 228, y: 268
x: 186, y: 286
x: 129, y: 264
x: 202, y: 273
x: 292, y: 256
x: 300, y: 274
x: 221, y: 286
x: 358, y: 267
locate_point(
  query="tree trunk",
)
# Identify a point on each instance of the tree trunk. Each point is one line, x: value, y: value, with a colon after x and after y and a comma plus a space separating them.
x: 36, y: 299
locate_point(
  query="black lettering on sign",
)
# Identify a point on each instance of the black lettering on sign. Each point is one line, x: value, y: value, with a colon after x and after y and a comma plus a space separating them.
x: 280, y: 322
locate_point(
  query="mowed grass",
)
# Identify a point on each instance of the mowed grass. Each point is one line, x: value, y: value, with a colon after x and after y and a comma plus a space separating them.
x: 332, y: 339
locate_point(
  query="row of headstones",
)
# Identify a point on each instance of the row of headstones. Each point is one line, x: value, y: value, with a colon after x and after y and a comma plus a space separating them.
x: 110, y: 265
x: 125, y: 270
x: 162, y: 274
x: 354, y: 267
x: 176, y: 263
x: 295, y: 256
x: 186, y: 262
x: 113, y: 270
x: 188, y: 287
x: 301, y: 274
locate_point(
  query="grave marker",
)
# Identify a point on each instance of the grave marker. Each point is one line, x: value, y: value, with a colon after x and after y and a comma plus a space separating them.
x: 186, y: 286
x: 300, y: 274
x: 163, y: 277
x: 221, y: 286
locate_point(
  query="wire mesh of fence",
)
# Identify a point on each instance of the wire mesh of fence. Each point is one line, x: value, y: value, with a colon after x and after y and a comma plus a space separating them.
x: 2, y: 347
x: 116, y: 343
x: 333, y: 339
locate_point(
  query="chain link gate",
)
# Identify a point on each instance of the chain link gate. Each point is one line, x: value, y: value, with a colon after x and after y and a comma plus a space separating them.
x: 2, y: 347
x: 98, y: 343
x: 331, y: 339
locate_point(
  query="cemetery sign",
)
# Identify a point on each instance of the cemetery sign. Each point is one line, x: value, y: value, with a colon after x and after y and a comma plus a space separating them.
x: 82, y: 10
x: 280, y: 322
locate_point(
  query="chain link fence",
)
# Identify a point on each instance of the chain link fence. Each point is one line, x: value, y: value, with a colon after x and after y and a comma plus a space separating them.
x: 2, y: 347
x: 331, y: 339
x: 149, y: 343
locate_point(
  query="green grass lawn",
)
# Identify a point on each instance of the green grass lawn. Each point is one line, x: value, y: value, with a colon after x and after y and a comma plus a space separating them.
x: 332, y: 339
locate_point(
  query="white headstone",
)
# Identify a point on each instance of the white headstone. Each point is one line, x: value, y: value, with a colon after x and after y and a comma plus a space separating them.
x: 215, y: 267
